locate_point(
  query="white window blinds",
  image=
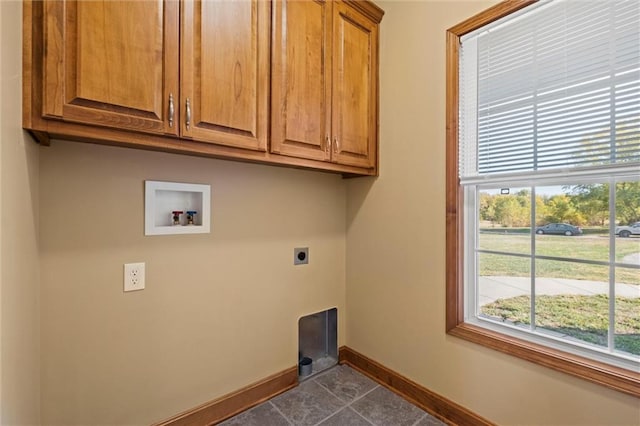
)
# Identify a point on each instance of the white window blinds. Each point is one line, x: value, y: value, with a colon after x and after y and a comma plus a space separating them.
x: 556, y: 88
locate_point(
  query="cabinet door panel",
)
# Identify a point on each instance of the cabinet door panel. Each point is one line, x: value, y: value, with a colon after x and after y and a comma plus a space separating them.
x: 301, y: 79
x: 225, y: 71
x: 111, y: 63
x: 354, y: 88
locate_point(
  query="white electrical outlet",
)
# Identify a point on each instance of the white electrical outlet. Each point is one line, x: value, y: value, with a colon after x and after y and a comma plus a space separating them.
x: 133, y: 276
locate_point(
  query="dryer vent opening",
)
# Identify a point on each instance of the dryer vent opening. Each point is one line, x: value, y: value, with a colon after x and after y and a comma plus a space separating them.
x: 317, y: 342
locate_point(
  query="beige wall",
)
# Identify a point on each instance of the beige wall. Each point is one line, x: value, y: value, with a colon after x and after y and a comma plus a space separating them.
x: 396, y: 247
x: 219, y: 311
x: 19, y: 309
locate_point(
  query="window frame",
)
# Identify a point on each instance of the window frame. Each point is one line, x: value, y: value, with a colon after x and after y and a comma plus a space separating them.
x: 605, y: 374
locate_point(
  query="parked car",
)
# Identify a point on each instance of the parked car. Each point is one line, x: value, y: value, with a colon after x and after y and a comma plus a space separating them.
x: 559, y: 229
x: 627, y: 231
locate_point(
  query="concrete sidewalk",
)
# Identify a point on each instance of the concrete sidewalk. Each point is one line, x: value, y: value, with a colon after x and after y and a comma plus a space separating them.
x: 501, y: 287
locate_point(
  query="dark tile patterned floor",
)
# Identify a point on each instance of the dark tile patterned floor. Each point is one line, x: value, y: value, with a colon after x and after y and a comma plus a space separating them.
x: 338, y: 397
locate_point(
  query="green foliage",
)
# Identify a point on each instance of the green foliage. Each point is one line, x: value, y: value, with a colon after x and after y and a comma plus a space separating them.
x: 592, y: 201
x: 507, y: 211
x: 510, y: 211
x: 487, y: 207
x: 580, y: 205
x: 628, y: 202
x: 562, y: 209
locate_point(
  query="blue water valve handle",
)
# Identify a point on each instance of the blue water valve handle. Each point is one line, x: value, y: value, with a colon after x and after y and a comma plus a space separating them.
x: 190, y: 215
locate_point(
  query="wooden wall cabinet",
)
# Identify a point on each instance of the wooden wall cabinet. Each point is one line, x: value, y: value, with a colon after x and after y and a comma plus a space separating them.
x: 195, y: 77
x: 111, y: 66
x: 120, y: 67
x: 325, y: 81
x: 224, y: 73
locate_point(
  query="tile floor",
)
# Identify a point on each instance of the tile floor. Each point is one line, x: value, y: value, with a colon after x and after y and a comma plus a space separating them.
x: 340, y: 396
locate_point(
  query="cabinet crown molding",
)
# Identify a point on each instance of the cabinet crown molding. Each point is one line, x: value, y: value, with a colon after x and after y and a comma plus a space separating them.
x: 371, y: 10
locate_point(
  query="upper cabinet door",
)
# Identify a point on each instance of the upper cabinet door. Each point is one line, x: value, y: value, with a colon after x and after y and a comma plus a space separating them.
x: 112, y: 63
x: 225, y: 72
x: 301, y: 86
x: 355, y: 88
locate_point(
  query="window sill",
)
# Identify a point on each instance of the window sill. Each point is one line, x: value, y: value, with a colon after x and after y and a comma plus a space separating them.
x: 612, y: 377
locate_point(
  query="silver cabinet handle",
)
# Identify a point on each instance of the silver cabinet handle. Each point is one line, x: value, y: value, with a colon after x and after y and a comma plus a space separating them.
x: 188, y: 114
x: 327, y: 144
x: 171, y: 110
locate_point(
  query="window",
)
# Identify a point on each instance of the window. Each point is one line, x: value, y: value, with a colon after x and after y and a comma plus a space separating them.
x: 543, y: 185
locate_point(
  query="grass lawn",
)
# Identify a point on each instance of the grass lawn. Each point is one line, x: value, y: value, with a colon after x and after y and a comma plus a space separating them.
x: 581, y: 317
x: 581, y: 247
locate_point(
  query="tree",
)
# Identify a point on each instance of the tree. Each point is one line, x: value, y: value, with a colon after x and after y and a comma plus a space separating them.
x: 561, y: 209
x: 541, y: 210
x: 617, y: 144
x: 487, y: 207
x: 592, y: 202
x: 512, y: 210
x: 627, y: 202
